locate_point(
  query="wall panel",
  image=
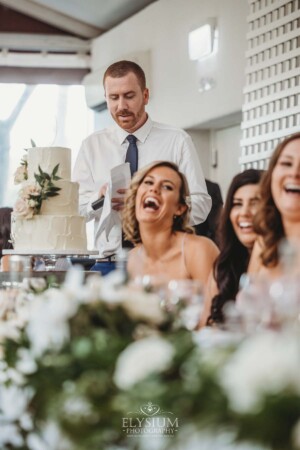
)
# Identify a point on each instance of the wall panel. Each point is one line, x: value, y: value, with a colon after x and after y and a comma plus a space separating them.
x: 271, y: 108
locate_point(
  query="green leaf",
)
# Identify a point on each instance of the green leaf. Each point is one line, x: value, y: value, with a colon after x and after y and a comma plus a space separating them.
x: 52, y: 194
x: 54, y: 171
x: 54, y: 189
x: 38, y: 178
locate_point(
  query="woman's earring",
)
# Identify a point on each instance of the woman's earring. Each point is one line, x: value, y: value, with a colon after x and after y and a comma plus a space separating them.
x: 175, y: 217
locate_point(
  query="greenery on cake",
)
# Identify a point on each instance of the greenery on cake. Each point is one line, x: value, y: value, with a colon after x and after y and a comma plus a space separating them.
x: 21, y: 174
x: 32, y: 194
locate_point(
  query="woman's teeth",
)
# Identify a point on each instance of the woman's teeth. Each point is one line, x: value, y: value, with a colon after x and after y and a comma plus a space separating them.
x: 290, y: 187
x: 245, y: 225
x: 151, y: 202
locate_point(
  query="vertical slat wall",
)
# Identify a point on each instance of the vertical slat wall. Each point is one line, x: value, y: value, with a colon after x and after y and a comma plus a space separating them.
x: 271, y: 108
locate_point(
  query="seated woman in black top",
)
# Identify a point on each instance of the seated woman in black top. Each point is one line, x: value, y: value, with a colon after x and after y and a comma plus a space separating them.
x: 236, y: 240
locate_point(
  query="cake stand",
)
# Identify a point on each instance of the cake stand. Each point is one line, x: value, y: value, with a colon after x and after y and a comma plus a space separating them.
x: 59, y: 260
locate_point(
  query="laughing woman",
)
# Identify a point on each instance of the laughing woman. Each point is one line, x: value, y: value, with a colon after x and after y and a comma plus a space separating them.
x: 279, y: 213
x: 155, y: 220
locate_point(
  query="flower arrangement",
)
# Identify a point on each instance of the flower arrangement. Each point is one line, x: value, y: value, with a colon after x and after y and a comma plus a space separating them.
x: 32, y: 195
x: 89, y: 355
x: 21, y: 173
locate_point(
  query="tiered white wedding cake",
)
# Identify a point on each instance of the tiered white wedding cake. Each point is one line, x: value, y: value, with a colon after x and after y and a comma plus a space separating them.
x: 46, y: 218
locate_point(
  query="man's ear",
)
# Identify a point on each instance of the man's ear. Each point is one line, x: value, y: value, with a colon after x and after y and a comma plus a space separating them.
x: 146, y: 96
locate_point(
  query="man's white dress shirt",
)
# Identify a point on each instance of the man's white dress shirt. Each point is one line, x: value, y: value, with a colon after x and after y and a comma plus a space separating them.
x: 105, y: 149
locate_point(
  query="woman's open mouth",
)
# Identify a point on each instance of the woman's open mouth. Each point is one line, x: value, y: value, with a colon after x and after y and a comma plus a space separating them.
x: 246, y: 226
x: 151, y: 203
x: 292, y: 188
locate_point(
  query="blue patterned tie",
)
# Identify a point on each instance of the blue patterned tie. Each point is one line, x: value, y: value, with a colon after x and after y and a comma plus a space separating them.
x: 132, y: 154
x: 132, y: 158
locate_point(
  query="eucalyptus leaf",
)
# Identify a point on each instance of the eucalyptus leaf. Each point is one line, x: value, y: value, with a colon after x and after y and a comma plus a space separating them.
x: 54, y: 171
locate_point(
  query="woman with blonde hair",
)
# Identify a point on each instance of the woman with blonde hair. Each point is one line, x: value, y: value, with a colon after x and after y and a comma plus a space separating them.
x: 278, y: 216
x: 156, y: 221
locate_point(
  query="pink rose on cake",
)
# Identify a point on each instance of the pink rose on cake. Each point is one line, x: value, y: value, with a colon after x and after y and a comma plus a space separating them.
x: 30, y: 190
x: 22, y: 209
x: 34, y: 192
x: 29, y: 201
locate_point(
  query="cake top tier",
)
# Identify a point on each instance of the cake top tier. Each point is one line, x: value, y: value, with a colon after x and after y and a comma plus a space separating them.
x: 47, y: 158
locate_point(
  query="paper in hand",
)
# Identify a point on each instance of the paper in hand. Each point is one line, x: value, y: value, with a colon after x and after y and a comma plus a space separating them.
x: 120, y: 179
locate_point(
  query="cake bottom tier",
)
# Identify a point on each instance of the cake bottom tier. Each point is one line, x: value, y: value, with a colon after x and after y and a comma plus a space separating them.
x: 50, y: 233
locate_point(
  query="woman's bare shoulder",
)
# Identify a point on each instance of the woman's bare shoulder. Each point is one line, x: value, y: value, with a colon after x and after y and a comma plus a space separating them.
x: 201, y: 254
x: 201, y: 242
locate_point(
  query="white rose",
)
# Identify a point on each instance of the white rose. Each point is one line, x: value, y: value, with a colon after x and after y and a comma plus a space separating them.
x: 14, y: 401
x: 26, y: 363
x: 142, y: 358
x: 20, y: 175
x: 51, y: 438
x: 266, y: 363
x: 48, y: 326
x: 22, y: 209
x: 8, y: 331
x: 10, y: 434
x: 142, y: 306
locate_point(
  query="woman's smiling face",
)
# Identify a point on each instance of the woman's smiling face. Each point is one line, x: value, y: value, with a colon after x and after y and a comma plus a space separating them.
x: 244, y: 207
x: 157, y: 198
x: 285, y: 182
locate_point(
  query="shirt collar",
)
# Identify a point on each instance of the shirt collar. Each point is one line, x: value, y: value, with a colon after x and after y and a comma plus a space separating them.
x: 141, y: 134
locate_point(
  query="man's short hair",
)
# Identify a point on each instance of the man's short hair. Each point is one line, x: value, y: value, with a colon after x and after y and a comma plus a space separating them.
x: 121, y: 68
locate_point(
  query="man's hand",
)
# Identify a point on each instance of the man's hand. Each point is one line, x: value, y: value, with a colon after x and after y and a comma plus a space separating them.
x: 118, y: 202
x: 97, y: 204
x: 103, y: 190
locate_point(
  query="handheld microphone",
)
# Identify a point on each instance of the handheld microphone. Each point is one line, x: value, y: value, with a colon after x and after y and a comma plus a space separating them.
x: 97, y: 204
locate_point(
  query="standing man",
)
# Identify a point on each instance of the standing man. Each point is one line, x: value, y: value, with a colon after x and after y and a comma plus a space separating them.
x: 127, y: 95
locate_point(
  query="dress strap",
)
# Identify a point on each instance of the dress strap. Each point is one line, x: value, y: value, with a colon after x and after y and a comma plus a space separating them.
x: 183, y: 258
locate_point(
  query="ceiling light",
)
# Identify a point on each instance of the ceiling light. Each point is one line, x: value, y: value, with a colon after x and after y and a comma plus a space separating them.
x: 201, y: 41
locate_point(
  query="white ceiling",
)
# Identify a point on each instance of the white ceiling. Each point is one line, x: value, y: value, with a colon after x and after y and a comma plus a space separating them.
x: 101, y: 13
x: 82, y: 20
x: 86, y: 18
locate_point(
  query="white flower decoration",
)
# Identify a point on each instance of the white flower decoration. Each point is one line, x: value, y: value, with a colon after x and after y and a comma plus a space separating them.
x: 266, y: 363
x: 140, y: 359
x: 22, y: 209
x: 48, y: 326
x: 20, y: 174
